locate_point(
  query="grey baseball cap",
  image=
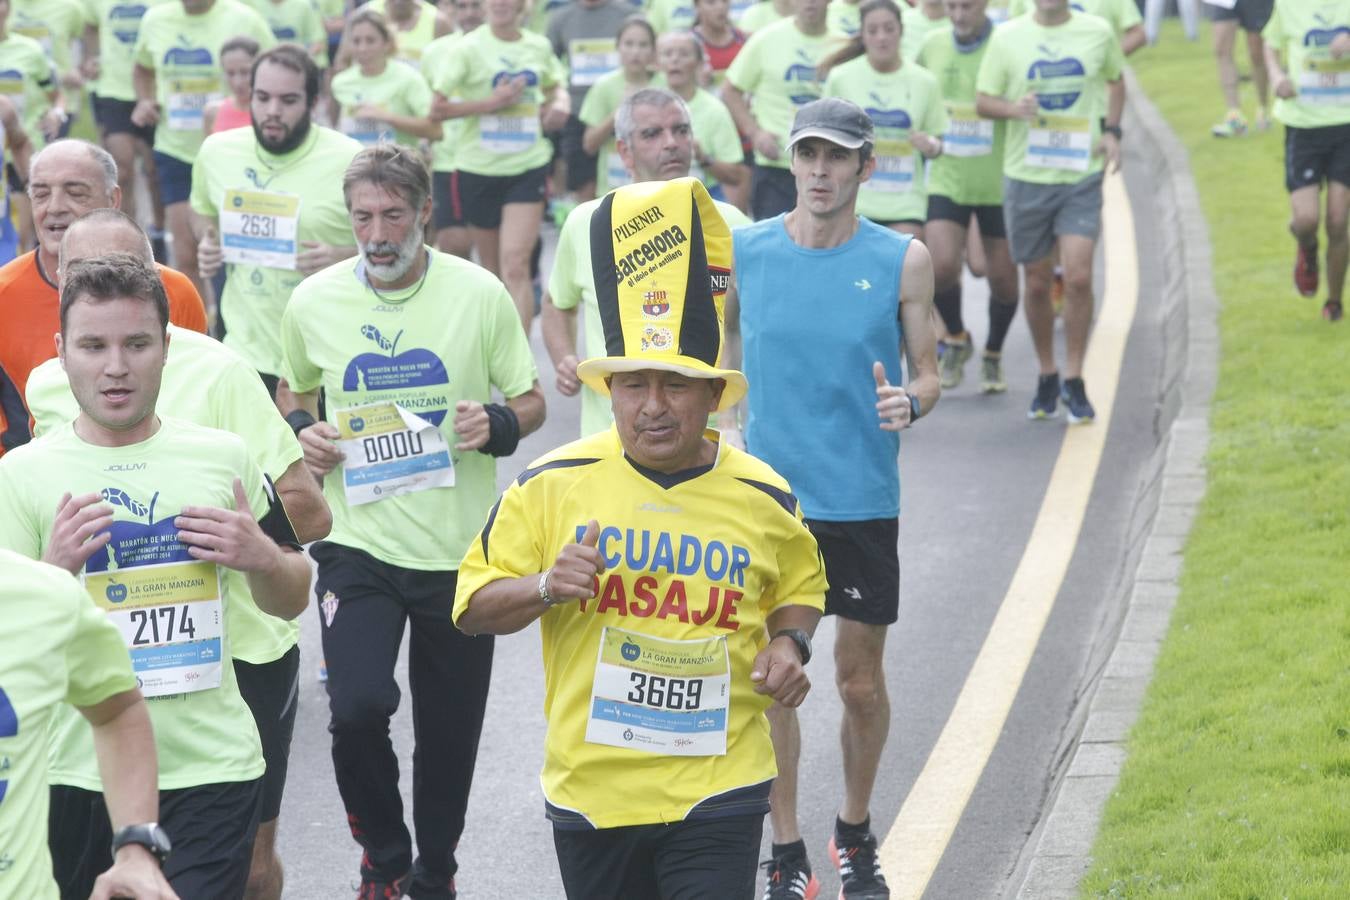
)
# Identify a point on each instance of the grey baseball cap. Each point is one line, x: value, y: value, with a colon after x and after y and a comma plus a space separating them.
x: 833, y: 119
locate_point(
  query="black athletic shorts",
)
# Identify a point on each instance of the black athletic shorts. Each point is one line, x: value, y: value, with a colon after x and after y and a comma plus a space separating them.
x: 211, y: 827
x: 989, y: 218
x: 175, y: 178
x: 16, y: 185
x: 690, y: 860
x: 113, y: 116
x: 271, y: 691
x: 581, y: 166
x: 483, y: 196
x: 1251, y: 15
x: 1314, y: 155
x: 772, y: 191
x: 862, y: 564
x: 447, y: 208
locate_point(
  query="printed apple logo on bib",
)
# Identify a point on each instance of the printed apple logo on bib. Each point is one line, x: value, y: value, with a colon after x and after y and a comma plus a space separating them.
x: 531, y: 78
x: 188, y: 56
x: 142, y: 541
x: 416, y: 376
x: 126, y: 21
x: 803, y: 81
x: 1058, y: 83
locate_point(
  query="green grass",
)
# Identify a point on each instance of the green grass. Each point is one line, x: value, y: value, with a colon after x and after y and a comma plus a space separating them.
x: 1238, y: 777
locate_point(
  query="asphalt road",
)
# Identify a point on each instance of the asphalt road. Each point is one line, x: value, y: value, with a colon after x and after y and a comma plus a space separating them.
x: 973, y: 475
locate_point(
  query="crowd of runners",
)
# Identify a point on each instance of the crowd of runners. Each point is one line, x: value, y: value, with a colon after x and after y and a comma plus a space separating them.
x: 264, y: 342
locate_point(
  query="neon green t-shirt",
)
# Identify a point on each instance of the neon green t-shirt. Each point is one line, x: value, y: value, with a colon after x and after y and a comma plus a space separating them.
x: 119, y: 24
x: 693, y: 570
x: 759, y: 16
x: 1302, y: 32
x: 26, y: 75
x: 184, y: 51
x: 455, y: 336
x: 509, y: 141
x: 296, y: 22
x: 845, y: 18
x: 899, y: 103
x: 540, y: 10
x: 56, y: 648
x: 169, y: 608
x: 777, y: 68
x: 55, y: 24
x: 1121, y: 15
x: 256, y: 294
x: 1067, y: 66
x: 208, y: 384
x: 433, y: 62
x: 602, y: 100
x: 399, y: 89
x: 970, y: 169
x: 412, y: 43
x: 716, y: 133
x: 670, y: 15
x: 916, y: 29
x: 571, y: 284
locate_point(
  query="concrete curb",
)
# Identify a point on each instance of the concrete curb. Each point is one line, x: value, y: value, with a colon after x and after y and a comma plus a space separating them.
x: 1169, y: 492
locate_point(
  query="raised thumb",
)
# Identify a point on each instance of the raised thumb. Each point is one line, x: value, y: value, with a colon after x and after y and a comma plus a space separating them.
x: 879, y: 373
x: 591, y: 536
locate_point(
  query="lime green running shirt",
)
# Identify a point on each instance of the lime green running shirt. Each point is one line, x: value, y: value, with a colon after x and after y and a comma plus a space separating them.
x: 296, y: 22
x: 602, y: 100
x: 970, y: 169
x: 716, y: 133
x: 399, y: 89
x: 511, y: 140
x: 777, y: 68
x: 455, y: 336
x: 1121, y: 15
x: 26, y: 75
x: 434, y: 59
x: 232, y: 161
x: 56, y: 648
x: 917, y: 28
x: 184, y: 51
x: 899, y: 103
x: 204, y: 732
x: 1302, y: 31
x: 119, y: 24
x: 1067, y: 66
x: 208, y: 384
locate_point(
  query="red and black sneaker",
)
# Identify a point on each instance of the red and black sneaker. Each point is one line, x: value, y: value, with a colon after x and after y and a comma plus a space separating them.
x: 1332, y: 311
x: 1305, y: 269
x: 380, y: 890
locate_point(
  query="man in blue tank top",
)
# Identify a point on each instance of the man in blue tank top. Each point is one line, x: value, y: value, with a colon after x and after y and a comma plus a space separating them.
x: 821, y: 304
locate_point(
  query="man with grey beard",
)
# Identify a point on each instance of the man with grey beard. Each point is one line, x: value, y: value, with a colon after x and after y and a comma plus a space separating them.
x: 408, y: 344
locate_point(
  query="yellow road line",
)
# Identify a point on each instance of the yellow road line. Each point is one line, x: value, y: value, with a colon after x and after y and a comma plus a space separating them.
x: 924, y: 826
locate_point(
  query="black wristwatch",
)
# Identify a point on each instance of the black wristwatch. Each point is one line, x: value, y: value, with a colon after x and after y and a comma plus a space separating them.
x: 800, y: 638
x: 1113, y: 130
x: 150, y: 836
x: 915, y: 408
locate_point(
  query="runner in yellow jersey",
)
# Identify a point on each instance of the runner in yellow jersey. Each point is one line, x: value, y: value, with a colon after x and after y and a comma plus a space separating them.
x: 675, y: 583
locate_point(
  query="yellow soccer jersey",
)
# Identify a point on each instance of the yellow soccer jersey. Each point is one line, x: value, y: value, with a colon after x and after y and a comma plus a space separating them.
x: 652, y: 716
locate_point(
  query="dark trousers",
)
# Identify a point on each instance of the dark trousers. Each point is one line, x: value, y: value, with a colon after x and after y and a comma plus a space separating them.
x: 448, y: 674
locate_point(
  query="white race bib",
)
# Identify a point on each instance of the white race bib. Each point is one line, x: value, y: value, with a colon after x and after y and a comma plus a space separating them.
x: 1060, y: 142
x: 367, y: 131
x: 388, y: 451
x: 660, y: 696
x: 258, y: 228
x: 1325, y: 82
x: 170, y: 617
x: 512, y: 130
x: 591, y: 59
x: 967, y: 134
x: 895, y: 169
x: 188, y: 97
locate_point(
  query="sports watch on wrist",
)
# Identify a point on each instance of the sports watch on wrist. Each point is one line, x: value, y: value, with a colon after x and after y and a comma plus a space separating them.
x: 149, y: 835
x: 915, y: 408
x: 798, y: 637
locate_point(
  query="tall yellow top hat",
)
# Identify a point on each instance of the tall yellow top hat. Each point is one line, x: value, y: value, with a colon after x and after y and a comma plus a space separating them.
x: 662, y: 260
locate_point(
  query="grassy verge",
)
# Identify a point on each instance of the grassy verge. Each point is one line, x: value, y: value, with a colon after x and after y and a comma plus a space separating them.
x: 1238, y: 779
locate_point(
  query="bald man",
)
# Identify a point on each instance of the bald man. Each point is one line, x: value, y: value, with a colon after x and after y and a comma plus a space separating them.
x: 67, y: 179
x: 207, y: 383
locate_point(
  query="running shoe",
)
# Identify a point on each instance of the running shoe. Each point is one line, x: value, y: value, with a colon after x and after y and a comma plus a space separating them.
x: 789, y: 878
x: 1332, y: 311
x: 1076, y: 401
x: 991, y: 375
x: 1305, y: 269
x: 1047, y: 396
x: 953, y: 364
x: 424, y: 884
x: 859, y: 869
x: 1057, y: 291
x: 1233, y: 125
x: 381, y: 890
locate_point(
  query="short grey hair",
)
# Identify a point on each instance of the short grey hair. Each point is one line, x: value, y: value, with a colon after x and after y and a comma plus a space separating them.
x: 111, y: 217
x: 399, y: 170
x: 659, y: 98
x: 96, y: 153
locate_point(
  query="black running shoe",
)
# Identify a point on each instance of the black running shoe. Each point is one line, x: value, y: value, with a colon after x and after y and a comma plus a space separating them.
x: 1047, y: 397
x: 790, y: 878
x: 859, y: 869
x: 1075, y: 399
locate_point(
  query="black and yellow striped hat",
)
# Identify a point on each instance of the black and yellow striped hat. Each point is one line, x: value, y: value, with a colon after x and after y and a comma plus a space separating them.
x: 661, y: 254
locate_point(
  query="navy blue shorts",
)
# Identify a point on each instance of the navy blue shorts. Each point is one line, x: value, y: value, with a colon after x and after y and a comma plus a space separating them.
x: 175, y: 179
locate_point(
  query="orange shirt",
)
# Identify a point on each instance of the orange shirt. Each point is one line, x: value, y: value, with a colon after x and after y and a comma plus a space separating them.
x: 30, y: 314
